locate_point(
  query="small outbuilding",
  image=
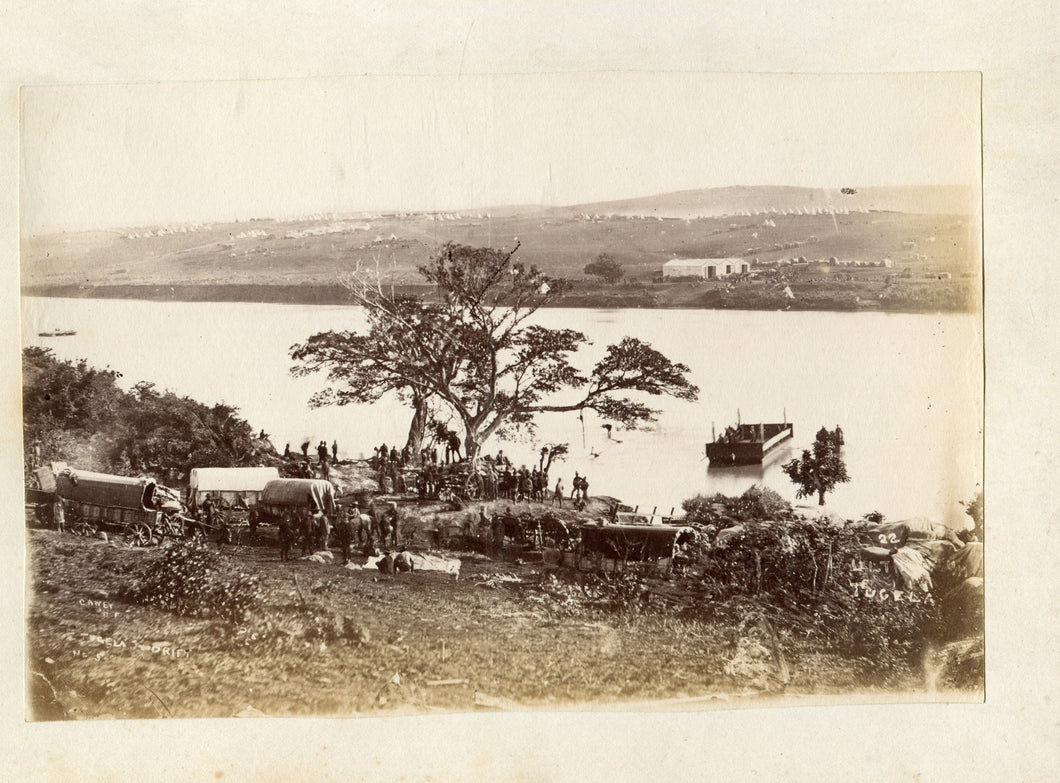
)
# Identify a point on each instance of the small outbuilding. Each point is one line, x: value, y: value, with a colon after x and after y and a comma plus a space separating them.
x: 705, y: 268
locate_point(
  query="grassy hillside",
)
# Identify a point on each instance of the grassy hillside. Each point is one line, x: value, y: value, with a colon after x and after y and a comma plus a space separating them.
x: 268, y: 252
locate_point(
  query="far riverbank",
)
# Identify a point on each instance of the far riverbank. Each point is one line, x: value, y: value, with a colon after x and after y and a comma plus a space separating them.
x: 946, y: 296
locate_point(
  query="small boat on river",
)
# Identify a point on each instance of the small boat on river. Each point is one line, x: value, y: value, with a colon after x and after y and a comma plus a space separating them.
x: 747, y: 444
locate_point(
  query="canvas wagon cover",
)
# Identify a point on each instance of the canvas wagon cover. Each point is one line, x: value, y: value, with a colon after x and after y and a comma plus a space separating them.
x: 231, y: 479
x: 297, y: 493
x: 102, y: 489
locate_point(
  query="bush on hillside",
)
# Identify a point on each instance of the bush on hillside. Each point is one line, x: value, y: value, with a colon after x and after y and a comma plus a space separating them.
x: 809, y: 579
x: 756, y: 504
x: 78, y: 414
x: 190, y: 579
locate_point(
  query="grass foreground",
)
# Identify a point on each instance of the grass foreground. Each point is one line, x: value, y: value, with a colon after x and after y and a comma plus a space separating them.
x: 320, y: 639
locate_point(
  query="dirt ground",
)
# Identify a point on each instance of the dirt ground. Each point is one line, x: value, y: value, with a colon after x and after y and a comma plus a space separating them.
x: 510, y: 633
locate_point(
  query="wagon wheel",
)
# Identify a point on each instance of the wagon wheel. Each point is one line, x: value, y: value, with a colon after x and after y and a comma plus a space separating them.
x: 137, y: 534
x: 172, y: 526
x: 83, y: 527
x: 473, y: 487
x: 79, y: 525
x: 42, y: 514
x: 593, y: 586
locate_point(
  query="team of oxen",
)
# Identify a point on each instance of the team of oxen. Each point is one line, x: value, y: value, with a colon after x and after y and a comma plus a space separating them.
x: 313, y: 530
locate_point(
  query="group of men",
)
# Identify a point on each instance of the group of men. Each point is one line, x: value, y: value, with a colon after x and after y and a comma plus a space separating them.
x: 322, y: 451
x: 429, y: 481
x: 390, y: 464
x: 579, y: 488
x: 391, y: 456
x: 322, y: 458
x: 385, y: 456
x: 349, y: 527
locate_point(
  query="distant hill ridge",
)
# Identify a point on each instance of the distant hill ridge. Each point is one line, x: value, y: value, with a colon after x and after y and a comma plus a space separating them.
x: 922, y: 227
x: 737, y: 200
x: 682, y: 204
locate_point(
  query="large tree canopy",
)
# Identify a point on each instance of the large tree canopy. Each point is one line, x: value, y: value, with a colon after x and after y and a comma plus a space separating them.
x: 364, y: 367
x: 474, y: 349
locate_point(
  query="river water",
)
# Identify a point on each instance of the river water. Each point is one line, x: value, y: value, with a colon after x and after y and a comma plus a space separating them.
x: 906, y: 389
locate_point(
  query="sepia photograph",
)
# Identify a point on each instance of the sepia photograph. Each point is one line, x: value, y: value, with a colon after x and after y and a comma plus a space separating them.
x: 380, y: 396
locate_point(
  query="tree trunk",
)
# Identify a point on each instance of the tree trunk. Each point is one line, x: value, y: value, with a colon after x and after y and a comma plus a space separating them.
x: 471, y: 445
x: 419, y: 422
x: 820, y: 497
x: 548, y: 464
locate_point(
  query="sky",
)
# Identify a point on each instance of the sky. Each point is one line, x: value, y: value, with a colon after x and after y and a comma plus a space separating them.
x: 101, y: 156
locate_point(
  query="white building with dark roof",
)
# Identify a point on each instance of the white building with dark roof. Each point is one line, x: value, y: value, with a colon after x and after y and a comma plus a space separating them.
x: 705, y: 268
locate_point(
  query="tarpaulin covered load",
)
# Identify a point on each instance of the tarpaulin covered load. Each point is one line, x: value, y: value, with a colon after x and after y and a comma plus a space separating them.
x: 312, y: 494
x: 922, y: 550
x: 229, y: 484
x: 897, y: 534
x: 911, y: 566
x: 967, y: 562
x: 101, y: 489
x: 348, y: 483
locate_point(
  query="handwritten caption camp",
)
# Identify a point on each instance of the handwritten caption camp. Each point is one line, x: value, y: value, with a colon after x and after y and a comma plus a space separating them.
x: 106, y: 608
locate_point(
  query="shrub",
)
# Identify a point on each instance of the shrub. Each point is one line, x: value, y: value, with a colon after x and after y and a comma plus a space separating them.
x: 808, y: 577
x: 192, y: 580
x: 886, y: 639
x: 756, y: 504
x: 606, y: 267
x: 575, y: 593
x: 793, y: 562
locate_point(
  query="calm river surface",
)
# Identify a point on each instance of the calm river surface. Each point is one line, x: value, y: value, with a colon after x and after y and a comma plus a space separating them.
x: 906, y: 389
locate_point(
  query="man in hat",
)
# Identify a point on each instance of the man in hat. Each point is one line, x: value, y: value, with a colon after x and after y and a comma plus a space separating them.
x: 305, y: 530
x: 344, y: 533
x: 285, y: 537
